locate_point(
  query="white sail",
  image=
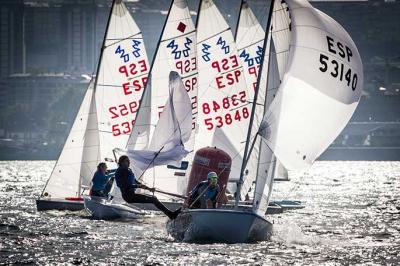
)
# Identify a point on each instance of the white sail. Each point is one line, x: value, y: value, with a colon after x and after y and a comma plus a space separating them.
x: 64, y: 180
x: 319, y: 91
x: 223, y: 96
x: 91, y: 147
x: 173, y: 129
x: 273, y: 70
x: 280, y: 172
x: 121, y: 80
x: 250, y: 40
x: 176, y: 52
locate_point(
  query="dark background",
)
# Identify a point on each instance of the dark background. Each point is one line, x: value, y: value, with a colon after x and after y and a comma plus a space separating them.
x: 49, y: 47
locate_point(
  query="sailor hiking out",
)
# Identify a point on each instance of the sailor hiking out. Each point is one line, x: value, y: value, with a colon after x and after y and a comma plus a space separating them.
x: 126, y: 181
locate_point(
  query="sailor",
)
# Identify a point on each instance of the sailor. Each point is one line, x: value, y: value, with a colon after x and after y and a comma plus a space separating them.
x: 102, y: 181
x: 205, y: 193
x: 128, y: 184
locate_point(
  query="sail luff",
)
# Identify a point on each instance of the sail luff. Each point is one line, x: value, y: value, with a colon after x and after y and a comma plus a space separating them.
x: 267, y: 32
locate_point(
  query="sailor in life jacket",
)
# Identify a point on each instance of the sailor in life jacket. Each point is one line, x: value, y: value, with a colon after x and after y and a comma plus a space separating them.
x: 205, y: 193
x: 102, y: 181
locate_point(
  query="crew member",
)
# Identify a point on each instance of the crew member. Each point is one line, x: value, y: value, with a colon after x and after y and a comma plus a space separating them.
x: 205, y: 193
x: 128, y: 184
x: 102, y: 181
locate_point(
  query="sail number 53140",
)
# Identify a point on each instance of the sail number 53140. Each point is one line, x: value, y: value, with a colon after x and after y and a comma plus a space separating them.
x: 338, y: 70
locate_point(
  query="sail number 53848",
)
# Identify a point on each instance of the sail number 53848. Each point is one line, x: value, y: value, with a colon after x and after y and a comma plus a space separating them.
x: 338, y: 70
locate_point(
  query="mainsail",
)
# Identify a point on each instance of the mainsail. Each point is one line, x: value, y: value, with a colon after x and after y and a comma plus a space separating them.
x: 64, y: 180
x: 121, y: 79
x: 176, y: 51
x: 223, y: 97
x: 108, y: 109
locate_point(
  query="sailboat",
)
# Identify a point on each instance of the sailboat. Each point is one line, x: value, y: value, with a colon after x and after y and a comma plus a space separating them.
x: 303, y: 111
x: 175, y: 59
x: 176, y: 51
x: 107, y: 113
x: 249, y: 38
x: 173, y: 129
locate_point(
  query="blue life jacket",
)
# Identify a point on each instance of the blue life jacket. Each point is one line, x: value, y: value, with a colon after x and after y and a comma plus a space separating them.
x: 99, y: 180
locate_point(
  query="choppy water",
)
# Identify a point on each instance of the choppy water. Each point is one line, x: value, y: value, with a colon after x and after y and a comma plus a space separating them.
x: 352, y: 217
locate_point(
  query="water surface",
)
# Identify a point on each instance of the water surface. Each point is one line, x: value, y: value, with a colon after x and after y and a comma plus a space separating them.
x: 352, y: 216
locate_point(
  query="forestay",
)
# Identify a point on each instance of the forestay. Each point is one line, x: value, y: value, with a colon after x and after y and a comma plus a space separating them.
x: 121, y: 79
x: 172, y: 130
x: 223, y: 96
x: 319, y: 91
x: 176, y: 52
x: 64, y: 180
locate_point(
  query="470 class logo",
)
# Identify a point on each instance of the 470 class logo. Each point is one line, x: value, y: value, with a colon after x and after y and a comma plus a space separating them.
x: 179, y: 52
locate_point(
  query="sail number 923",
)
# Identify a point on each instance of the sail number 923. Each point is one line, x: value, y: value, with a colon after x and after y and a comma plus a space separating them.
x: 338, y: 70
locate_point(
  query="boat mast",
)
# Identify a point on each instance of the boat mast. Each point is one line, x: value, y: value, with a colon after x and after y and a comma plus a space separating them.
x: 238, y: 20
x: 244, y: 162
x: 198, y: 16
x: 103, y: 46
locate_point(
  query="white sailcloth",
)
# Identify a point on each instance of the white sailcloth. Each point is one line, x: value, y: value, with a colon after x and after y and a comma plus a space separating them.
x: 267, y: 164
x: 250, y: 40
x: 91, y: 148
x: 223, y: 96
x: 176, y: 52
x: 319, y: 91
x: 64, y: 180
x: 121, y: 80
x: 173, y: 130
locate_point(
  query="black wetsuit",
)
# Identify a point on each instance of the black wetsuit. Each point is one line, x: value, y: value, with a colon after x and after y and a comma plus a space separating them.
x: 127, y: 183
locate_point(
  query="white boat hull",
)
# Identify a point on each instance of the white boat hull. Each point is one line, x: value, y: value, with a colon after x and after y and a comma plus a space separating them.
x: 103, y: 209
x: 219, y: 226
